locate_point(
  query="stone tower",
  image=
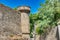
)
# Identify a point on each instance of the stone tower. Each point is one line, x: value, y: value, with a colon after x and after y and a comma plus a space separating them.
x: 24, y: 12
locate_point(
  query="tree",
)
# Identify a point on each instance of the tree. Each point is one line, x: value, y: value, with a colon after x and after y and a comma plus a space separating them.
x: 15, y: 8
x: 49, y: 14
x: 46, y: 17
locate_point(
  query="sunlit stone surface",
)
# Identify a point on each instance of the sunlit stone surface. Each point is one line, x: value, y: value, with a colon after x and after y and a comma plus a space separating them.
x: 9, y: 22
x: 14, y: 25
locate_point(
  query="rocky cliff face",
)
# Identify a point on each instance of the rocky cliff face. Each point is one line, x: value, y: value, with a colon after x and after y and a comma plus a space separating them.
x: 9, y: 22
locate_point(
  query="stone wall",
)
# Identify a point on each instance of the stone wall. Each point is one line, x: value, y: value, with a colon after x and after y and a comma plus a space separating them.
x: 9, y: 22
x: 14, y: 25
x: 52, y: 34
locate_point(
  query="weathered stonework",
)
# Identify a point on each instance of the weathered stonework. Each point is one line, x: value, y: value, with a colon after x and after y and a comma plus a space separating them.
x: 12, y: 23
x: 53, y: 34
x: 24, y: 11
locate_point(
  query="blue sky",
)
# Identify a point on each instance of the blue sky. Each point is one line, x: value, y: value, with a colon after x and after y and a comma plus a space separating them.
x: 34, y: 4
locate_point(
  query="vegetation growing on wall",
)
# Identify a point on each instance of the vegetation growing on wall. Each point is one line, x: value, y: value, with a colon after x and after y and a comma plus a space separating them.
x: 46, y: 17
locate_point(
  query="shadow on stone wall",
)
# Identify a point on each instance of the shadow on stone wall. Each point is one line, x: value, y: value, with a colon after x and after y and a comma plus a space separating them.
x: 57, y: 34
